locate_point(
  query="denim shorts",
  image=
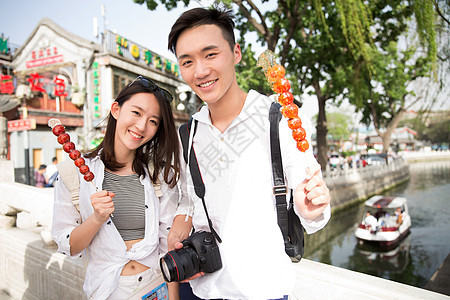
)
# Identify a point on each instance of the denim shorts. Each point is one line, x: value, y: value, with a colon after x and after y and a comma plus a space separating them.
x: 139, y: 283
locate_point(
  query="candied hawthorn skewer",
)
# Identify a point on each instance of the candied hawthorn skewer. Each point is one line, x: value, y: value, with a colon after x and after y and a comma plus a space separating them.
x: 275, y: 76
x: 69, y: 147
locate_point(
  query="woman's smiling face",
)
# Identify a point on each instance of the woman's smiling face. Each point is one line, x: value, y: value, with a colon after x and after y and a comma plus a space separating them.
x: 137, y: 122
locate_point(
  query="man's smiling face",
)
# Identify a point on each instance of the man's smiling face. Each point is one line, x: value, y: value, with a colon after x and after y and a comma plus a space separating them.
x: 207, y: 62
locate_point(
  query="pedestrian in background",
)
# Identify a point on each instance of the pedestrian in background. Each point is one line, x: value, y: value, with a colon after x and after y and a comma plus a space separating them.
x: 39, y: 176
x: 51, y: 172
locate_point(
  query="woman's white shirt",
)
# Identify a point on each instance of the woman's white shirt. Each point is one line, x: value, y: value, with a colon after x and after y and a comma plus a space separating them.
x: 107, y: 251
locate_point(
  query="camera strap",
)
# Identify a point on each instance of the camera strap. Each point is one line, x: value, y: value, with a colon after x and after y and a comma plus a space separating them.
x: 196, y: 175
x: 289, y: 223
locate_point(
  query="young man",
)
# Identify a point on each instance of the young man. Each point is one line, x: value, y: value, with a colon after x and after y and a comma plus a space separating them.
x: 232, y: 146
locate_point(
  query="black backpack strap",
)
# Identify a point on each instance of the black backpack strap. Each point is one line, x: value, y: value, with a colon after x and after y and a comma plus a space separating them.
x: 279, y: 188
x: 199, y: 186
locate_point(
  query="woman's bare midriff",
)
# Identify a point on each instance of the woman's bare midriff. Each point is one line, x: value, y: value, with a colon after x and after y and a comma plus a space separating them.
x: 132, y: 267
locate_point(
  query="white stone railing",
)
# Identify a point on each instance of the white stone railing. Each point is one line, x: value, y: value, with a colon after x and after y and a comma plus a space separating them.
x: 353, y: 184
x: 347, y: 171
x: 26, y: 206
x: 425, y: 155
x: 318, y: 281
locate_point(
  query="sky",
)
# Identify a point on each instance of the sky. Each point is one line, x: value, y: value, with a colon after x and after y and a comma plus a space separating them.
x: 148, y: 28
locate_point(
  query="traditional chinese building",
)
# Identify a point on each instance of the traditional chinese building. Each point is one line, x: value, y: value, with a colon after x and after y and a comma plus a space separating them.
x: 60, y: 75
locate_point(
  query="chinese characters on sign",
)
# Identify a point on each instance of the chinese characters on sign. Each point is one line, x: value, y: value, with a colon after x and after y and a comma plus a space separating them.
x: 96, y: 91
x: 60, y: 87
x: 44, y: 56
x: 6, y: 84
x: 125, y: 48
x: 35, y: 84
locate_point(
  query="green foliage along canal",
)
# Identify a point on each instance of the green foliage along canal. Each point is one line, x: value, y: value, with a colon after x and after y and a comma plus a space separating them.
x: 416, y: 259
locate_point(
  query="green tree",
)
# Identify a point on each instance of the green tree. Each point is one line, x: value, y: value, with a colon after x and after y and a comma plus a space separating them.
x: 433, y: 127
x: 320, y: 59
x: 438, y: 133
x: 338, y: 126
x: 384, y: 91
x: 249, y: 75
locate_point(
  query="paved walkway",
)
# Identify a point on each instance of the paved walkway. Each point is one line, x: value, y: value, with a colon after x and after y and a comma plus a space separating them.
x: 439, y: 282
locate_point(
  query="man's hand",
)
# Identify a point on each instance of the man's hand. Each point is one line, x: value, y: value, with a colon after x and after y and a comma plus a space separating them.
x: 179, y: 232
x: 312, y: 195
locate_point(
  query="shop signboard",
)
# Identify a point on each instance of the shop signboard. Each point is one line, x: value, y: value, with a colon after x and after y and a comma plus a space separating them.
x: 133, y: 51
x: 44, y: 56
x: 44, y: 61
x: 21, y: 125
x: 6, y: 84
x: 3, y: 45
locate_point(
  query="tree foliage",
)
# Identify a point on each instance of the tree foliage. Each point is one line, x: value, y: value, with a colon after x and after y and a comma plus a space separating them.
x: 385, y: 94
x: 338, y: 126
x: 439, y: 133
x: 430, y: 127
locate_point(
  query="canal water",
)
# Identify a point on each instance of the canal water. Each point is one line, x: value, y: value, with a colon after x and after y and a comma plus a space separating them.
x: 416, y: 259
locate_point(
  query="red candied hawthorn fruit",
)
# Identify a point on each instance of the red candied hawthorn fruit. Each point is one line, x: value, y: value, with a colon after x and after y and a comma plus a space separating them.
x: 286, y: 98
x: 299, y: 134
x: 58, y: 129
x: 89, y: 176
x: 302, y: 145
x: 79, y: 161
x: 84, y: 169
x: 74, y: 154
x: 281, y: 86
x: 69, y: 147
x: 275, y: 73
x: 290, y: 111
x: 63, y: 138
x: 294, y: 123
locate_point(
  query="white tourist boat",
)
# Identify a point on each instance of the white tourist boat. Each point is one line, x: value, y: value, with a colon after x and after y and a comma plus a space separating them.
x: 383, y: 226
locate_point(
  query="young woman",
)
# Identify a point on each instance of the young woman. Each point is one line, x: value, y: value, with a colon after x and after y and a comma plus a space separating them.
x: 124, y: 226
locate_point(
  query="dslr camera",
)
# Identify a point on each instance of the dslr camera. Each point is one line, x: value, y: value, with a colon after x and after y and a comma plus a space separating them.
x: 200, y: 253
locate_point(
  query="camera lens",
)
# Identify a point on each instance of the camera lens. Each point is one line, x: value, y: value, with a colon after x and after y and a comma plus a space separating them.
x: 177, y: 265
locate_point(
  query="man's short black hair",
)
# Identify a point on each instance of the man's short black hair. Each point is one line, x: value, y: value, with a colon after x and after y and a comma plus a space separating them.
x: 201, y: 16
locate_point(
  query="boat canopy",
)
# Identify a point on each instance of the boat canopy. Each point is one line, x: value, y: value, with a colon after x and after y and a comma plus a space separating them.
x: 385, y: 202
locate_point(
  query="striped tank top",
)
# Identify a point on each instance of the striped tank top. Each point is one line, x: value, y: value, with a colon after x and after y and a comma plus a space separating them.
x: 129, y: 204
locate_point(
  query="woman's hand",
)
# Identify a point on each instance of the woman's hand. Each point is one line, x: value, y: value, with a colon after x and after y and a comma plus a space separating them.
x: 103, y: 205
x: 82, y: 236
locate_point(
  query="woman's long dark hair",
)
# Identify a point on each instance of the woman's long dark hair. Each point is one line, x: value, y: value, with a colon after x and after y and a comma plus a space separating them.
x: 162, y: 150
